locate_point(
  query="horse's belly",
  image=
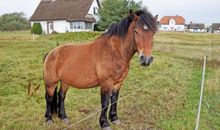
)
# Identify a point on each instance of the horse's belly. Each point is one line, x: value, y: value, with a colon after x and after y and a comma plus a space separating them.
x: 85, y: 83
x: 81, y: 81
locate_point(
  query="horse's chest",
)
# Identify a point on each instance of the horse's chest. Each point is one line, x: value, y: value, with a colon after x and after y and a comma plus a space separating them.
x: 114, y: 72
x: 120, y: 72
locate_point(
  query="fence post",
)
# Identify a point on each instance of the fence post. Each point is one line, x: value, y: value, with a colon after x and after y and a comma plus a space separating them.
x: 33, y: 38
x: 212, y: 50
x: 172, y: 46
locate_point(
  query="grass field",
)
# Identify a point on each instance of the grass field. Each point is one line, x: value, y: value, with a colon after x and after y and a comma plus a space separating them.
x: 168, y: 99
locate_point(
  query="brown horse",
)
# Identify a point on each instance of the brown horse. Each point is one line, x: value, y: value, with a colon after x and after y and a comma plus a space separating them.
x: 103, y: 62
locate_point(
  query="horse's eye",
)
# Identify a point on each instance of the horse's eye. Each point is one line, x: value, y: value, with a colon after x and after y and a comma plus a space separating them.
x: 135, y: 31
x: 145, y: 27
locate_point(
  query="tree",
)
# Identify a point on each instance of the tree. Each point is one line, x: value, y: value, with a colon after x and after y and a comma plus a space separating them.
x: 113, y: 11
x: 36, y: 28
x: 14, y: 21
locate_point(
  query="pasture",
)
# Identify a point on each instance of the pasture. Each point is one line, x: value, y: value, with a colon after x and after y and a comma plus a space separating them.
x: 168, y: 98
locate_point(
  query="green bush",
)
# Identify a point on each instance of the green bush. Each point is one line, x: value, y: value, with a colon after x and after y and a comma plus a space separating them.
x: 96, y: 27
x: 36, y: 28
x: 14, y: 22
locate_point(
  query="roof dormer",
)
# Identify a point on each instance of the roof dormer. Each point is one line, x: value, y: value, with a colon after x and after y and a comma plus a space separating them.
x: 172, y: 22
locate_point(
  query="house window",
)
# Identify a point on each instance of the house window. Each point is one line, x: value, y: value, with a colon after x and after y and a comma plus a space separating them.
x: 94, y: 10
x: 71, y: 25
x: 172, y: 22
x: 164, y: 28
x: 76, y: 25
x: 51, y: 26
x: 88, y: 25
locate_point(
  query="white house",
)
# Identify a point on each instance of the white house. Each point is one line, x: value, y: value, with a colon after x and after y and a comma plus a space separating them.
x: 196, y: 27
x: 66, y: 15
x: 215, y: 28
x: 172, y: 23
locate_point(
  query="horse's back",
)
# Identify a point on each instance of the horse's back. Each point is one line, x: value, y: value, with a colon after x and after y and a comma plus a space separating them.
x: 73, y: 64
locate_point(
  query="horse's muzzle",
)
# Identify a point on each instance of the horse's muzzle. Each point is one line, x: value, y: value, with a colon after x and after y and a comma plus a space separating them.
x: 146, y: 61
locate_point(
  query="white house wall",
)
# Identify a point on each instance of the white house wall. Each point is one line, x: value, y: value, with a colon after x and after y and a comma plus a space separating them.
x: 216, y: 31
x: 61, y: 26
x: 94, y: 4
x: 197, y: 30
x: 172, y: 27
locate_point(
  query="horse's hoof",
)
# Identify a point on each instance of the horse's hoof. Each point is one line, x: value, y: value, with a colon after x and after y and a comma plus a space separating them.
x: 49, y: 122
x: 107, y: 128
x: 66, y: 121
x: 116, y: 122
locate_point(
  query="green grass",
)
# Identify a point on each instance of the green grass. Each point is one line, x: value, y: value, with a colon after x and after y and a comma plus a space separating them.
x: 168, y: 98
x: 188, y: 38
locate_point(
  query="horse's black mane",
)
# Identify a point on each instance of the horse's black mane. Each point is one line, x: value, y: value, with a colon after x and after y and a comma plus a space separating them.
x: 121, y: 28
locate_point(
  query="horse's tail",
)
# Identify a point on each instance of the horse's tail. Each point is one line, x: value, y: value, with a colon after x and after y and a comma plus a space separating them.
x: 45, y: 57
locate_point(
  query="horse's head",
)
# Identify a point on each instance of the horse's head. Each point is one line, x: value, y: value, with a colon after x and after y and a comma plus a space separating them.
x: 145, y: 28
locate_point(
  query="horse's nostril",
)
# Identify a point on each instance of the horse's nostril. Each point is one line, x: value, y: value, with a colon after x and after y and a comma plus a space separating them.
x: 145, y: 61
x: 142, y: 58
x: 151, y: 59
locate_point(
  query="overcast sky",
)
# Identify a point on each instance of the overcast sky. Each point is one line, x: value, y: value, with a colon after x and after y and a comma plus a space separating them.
x: 200, y: 11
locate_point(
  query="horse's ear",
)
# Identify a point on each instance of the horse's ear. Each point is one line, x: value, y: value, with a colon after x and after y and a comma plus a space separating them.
x: 131, y: 15
x: 131, y: 12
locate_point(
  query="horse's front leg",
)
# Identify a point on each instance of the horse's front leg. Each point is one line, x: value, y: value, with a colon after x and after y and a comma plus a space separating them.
x: 103, y: 121
x: 113, y: 110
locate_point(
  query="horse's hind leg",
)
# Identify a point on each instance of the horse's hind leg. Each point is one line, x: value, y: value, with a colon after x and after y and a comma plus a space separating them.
x: 51, y: 101
x: 62, y: 95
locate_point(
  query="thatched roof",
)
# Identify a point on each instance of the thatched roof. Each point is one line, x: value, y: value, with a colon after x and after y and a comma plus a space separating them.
x: 215, y: 26
x: 196, y: 26
x: 70, y: 10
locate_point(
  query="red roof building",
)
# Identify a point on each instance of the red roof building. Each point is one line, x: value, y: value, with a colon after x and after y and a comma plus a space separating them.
x: 172, y: 23
x: 178, y: 19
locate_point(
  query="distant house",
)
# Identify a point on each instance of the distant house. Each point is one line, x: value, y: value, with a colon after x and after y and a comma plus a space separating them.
x: 215, y: 27
x: 172, y: 23
x: 196, y: 27
x: 66, y: 15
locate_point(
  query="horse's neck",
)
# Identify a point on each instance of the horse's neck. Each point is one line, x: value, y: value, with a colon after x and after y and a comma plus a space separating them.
x: 122, y: 49
x: 129, y: 43
x: 119, y: 49
x: 128, y: 47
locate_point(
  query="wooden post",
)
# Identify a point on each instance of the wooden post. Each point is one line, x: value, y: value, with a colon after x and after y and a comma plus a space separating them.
x: 212, y: 50
x: 33, y: 37
x: 78, y: 37
x: 172, y: 46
